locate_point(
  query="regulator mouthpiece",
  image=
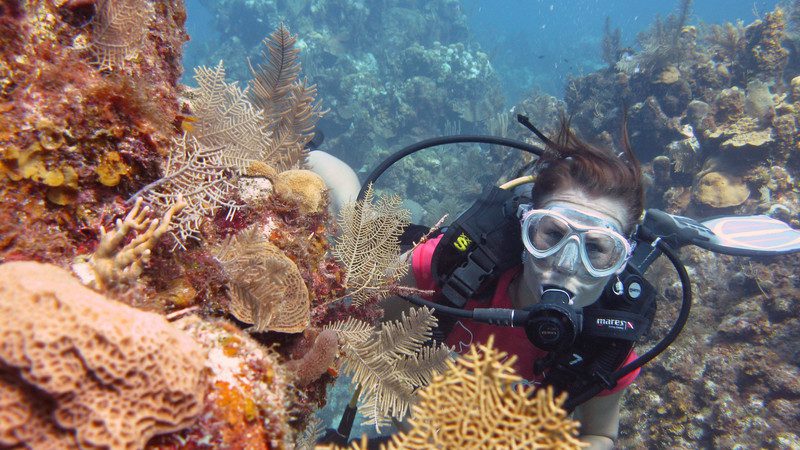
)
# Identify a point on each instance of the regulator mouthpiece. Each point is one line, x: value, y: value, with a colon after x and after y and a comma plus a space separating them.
x: 553, y: 294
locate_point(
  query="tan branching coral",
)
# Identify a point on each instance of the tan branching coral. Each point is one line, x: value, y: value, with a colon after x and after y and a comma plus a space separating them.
x: 390, y: 364
x: 196, y: 174
x: 226, y: 119
x: 119, y: 28
x: 266, y: 287
x: 480, y: 403
x: 78, y: 370
x: 237, y: 132
x: 287, y: 101
x: 115, y: 263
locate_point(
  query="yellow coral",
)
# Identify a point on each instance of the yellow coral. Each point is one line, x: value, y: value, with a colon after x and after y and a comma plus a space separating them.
x: 111, y: 169
x: 303, y: 187
x: 39, y: 163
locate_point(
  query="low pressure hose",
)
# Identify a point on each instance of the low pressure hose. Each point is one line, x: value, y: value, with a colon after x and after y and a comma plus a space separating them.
x: 444, y: 140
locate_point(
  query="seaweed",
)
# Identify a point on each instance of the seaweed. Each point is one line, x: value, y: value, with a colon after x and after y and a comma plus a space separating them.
x: 611, y: 43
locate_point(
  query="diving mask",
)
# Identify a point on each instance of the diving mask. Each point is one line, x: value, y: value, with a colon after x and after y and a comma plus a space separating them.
x: 601, y: 248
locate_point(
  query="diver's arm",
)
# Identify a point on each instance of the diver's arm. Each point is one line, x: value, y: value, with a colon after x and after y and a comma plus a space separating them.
x: 342, y: 181
x: 599, y: 418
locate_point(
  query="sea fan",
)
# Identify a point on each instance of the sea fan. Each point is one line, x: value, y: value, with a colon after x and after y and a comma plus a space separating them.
x: 195, y: 173
x: 391, y: 364
x: 226, y: 118
x: 118, y: 31
x: 369, y: 245
x: 267, y: 289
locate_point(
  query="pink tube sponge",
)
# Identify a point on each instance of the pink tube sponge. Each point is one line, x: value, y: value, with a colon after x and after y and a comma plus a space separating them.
x: 317, y: 360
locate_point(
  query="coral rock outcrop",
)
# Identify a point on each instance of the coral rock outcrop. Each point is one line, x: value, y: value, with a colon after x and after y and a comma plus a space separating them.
x: 80, y: 371
x: 720, y: 190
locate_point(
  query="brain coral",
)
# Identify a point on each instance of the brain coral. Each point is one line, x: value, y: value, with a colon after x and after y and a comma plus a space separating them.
x: 303, y: 187
x: 80, y: 371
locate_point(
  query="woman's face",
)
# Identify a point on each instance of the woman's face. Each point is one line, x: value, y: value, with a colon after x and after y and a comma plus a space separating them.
x: 564, y: 269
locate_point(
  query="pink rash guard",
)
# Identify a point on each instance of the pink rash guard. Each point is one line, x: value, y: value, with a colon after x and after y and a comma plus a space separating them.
x: 514, y: 341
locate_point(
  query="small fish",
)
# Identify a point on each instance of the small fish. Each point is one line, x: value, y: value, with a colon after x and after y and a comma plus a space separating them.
x: 316, y: 141
x: 540, y: 56
x: 187, y: 123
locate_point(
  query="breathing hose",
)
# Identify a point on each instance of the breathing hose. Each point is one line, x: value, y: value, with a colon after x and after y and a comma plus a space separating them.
x: 680, y: 322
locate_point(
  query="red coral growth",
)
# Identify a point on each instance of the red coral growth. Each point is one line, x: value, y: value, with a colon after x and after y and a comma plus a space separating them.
x: 61, y: 118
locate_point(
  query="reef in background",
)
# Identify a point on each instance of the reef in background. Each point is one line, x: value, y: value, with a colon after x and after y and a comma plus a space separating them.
x: 713, y: 114
x: 393, y: 73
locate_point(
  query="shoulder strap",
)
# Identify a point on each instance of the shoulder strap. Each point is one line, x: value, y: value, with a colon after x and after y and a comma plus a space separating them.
x: 479, y: 246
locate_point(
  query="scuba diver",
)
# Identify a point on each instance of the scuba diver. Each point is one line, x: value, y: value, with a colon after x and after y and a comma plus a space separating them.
x: 556, y: 272
x: 576, y: 228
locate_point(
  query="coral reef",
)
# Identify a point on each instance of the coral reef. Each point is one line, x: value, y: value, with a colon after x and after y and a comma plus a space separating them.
x: 422, y: 77
x: 478, y: 403
x: 248, y: 401
x: 65, y: 125
x: 94, y: 123
x: 84, y: 371
x: 92, y: 117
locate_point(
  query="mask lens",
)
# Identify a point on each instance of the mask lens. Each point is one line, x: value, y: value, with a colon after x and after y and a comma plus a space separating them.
x: 603, y: 250
x: 546, y: 232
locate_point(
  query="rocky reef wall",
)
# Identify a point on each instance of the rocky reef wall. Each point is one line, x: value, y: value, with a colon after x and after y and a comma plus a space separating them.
x: 147, y: 300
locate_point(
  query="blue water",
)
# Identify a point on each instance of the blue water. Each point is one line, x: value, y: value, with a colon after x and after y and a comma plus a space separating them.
x: 537, y: 44
x: 551, y: 40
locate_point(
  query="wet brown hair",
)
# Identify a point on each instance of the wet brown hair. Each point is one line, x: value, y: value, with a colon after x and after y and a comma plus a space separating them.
x: 570, y: 162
